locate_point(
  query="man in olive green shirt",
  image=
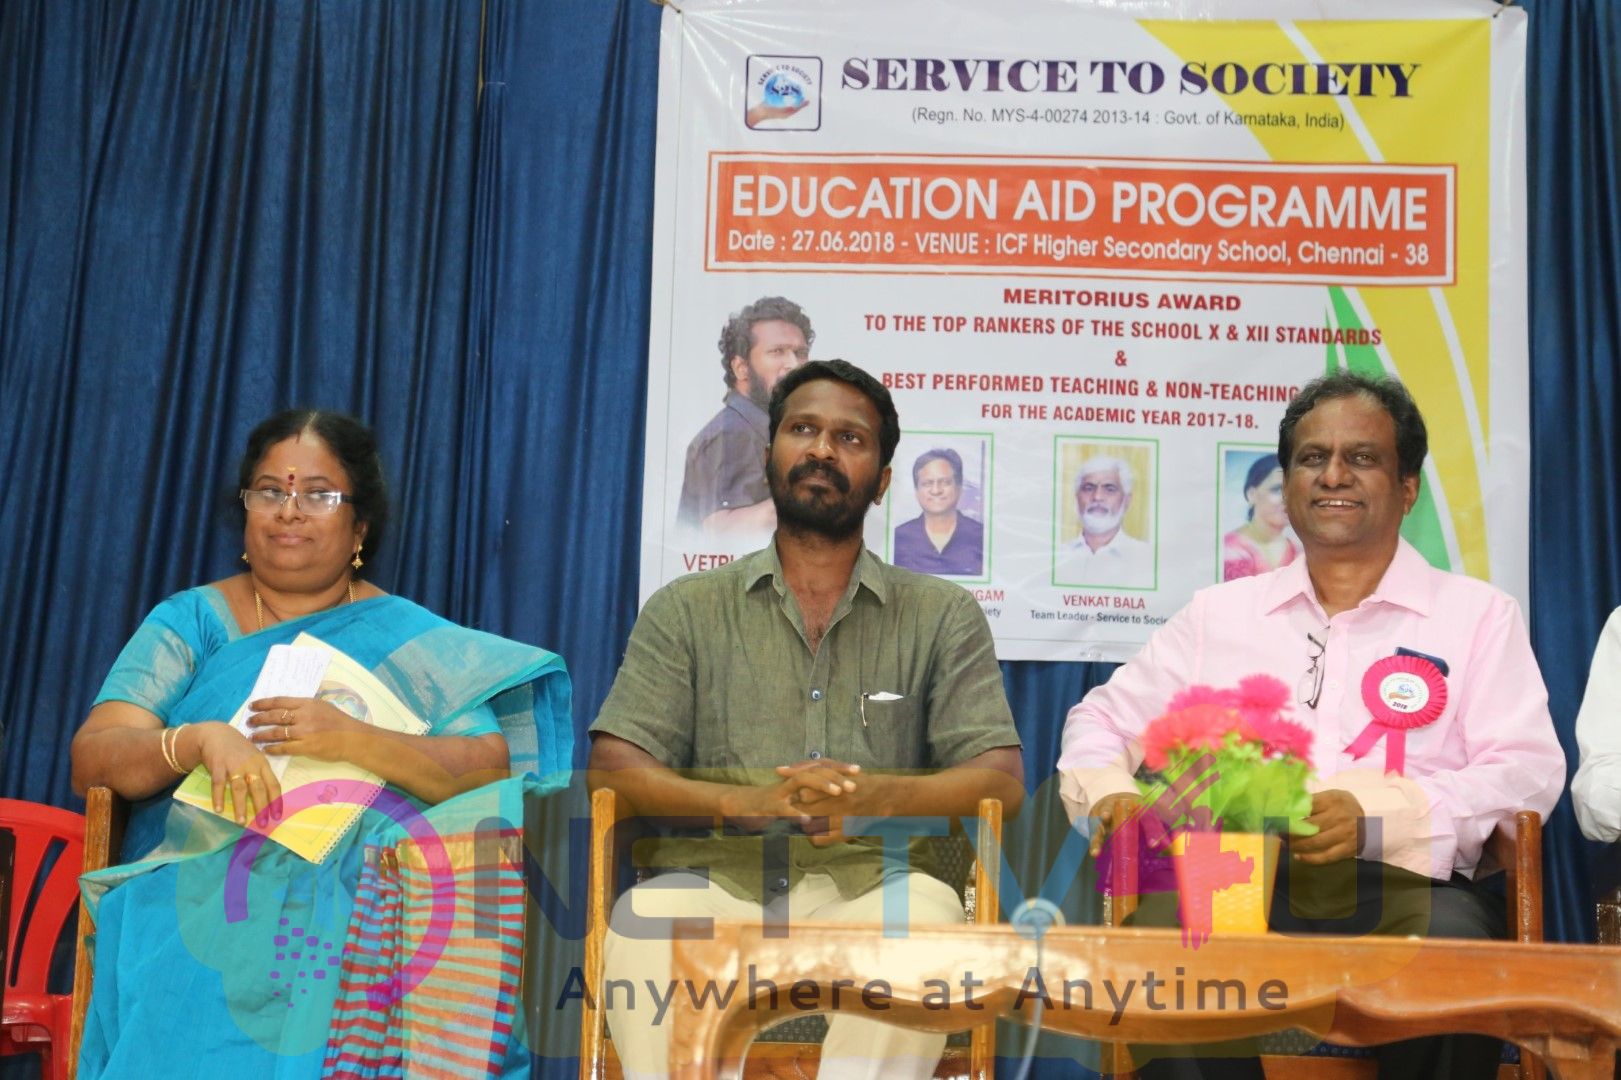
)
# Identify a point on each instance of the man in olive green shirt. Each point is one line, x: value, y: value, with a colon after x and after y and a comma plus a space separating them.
x: 783, y: 692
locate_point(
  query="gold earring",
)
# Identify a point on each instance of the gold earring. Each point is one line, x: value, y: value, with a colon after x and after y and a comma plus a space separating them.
x: 244, y: 556
x: 357, y: 563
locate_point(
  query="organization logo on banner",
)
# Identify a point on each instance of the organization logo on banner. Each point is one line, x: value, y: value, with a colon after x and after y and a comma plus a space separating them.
x: 784, y: 93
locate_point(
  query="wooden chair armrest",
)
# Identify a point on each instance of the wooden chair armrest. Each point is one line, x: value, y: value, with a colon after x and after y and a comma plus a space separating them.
x: 1515, y: 847
x: 607, y: 810
x: 988, y: 862
x: 1120, y: 893
x: 105, y: 815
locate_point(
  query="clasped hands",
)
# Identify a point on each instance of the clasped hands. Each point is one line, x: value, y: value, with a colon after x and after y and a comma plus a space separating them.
x: 816, y: 795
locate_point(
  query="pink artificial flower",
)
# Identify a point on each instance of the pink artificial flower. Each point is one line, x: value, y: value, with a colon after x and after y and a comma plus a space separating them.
x: 1279, y: 736
x: 1196, y: 727
x: 1263, y: 693
x: 1200, y: 695
x: 1261, y: 699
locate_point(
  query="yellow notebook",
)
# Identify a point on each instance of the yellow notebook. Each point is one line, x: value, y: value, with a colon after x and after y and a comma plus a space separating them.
x: 322, y: 800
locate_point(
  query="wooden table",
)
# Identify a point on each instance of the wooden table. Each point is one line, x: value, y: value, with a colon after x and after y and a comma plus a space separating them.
x: 1562, y: 1002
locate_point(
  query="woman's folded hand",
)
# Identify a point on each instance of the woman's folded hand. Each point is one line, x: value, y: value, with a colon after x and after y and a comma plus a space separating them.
x: 307, y: 727
x: 237, y: 766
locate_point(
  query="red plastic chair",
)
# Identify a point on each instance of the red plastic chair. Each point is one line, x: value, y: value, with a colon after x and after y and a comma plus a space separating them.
x: 32, y: 1020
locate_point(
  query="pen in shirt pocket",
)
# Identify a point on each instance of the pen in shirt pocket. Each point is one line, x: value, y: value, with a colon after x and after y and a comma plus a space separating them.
x: 881, y: 695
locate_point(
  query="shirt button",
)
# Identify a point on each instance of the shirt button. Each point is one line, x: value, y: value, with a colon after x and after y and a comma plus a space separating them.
x: 816, y: 695
x: 816, y: 755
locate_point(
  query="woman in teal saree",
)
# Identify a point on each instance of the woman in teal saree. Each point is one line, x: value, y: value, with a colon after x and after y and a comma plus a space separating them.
x: 219, y: 949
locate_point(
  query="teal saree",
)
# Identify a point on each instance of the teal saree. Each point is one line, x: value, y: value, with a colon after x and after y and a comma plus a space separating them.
x: 218, y: 950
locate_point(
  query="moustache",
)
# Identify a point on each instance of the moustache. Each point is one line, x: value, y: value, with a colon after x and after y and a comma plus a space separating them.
x: 828, y: 472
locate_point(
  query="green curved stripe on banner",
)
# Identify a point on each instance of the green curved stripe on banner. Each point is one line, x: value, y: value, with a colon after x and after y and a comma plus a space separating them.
x: 1422, y: 527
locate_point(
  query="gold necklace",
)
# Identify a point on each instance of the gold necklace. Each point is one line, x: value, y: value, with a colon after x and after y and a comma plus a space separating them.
x: 259, y: 605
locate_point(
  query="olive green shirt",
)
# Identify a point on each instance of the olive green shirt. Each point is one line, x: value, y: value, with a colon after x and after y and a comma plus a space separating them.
x: 719, y: 681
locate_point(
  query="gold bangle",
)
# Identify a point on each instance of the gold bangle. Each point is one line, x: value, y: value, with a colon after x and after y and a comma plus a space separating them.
x: 170, y: 742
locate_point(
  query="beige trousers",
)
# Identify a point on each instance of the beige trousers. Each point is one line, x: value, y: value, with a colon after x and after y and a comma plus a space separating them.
x: 637, y: 987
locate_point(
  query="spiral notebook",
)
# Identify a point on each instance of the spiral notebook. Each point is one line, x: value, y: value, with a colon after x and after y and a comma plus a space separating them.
x: 321, y: 800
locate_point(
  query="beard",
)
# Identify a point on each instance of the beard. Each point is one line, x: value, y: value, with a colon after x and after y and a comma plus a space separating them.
x: 759, y: 393
x: 836, y: 515
x: 1097, y: 519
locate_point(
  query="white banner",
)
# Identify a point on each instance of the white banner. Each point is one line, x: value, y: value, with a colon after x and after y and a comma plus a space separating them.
x: 1092, y: 255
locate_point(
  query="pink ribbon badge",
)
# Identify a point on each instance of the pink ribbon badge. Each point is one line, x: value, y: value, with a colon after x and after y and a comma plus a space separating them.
x: 1402, y: 693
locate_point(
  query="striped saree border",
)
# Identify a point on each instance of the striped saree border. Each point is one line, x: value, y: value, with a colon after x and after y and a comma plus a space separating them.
x: 431, y: 969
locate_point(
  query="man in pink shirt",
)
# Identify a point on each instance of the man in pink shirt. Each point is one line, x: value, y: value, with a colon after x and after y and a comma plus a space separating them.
x: 1400, y: 835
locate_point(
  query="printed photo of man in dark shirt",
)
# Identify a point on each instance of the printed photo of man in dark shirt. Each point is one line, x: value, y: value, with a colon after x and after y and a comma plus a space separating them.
x: 723, y: 489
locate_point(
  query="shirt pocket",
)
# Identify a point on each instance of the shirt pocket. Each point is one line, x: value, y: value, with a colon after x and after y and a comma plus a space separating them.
x: 1435, y: 746
x: 887, y: 732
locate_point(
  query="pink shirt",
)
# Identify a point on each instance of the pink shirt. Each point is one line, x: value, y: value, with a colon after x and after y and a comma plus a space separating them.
x: 1491, y: 752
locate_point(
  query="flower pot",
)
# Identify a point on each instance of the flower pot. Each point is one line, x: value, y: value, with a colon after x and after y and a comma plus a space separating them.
x: 1224, y: 881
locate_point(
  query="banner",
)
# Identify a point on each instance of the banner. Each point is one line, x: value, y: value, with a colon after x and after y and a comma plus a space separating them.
x: 1092, y: 255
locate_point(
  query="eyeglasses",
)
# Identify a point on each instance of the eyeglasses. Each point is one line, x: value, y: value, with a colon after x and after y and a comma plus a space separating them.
x: 936, y: 485
x: 1310, y: 690
x: 313, y: 503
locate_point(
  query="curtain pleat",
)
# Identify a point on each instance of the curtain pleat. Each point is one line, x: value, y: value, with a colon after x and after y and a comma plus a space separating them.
x: 1573, y: 107
x: 212, y: 212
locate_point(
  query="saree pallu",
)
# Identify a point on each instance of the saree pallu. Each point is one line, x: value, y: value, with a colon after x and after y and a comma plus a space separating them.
x: 220, y: 950
x: 431, y: 974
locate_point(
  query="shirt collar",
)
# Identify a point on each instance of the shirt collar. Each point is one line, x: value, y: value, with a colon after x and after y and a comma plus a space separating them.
x: 745, y: 407
x: 1406, y: 583
x: 867, y: 573
x: 1115, y: 546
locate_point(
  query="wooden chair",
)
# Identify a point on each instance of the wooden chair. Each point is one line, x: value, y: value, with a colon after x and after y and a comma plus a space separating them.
x: 1517, y: 852
x: 608, y: 843
x: 105, y: 815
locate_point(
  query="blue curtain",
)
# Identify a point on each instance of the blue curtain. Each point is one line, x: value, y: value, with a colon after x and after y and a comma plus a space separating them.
x: 1573, y: 98
x: 208, y: 212
x: 562, y: 247
x: 563, y: 243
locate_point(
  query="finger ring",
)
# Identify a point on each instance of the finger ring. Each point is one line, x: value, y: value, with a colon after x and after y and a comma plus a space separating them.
x: 234, y: 777
x: 286, y: 733
x: 254, y: 776
x: 285, y: 713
